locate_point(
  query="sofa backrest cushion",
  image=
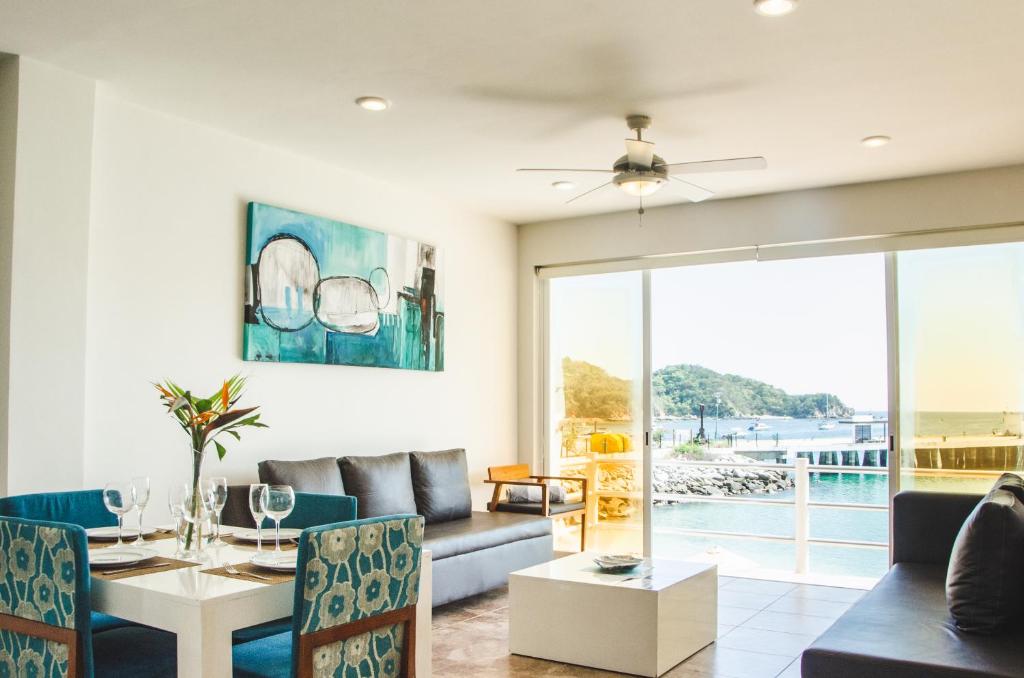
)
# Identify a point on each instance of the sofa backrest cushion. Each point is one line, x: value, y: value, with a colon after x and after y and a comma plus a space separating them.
x: 440, y: 481
x: 382, y: 485
x: 984, y: 582
x: 316, y: 476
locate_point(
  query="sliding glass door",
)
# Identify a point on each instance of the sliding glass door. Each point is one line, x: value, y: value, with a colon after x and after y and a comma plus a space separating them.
x: 961, y: 365
x: 595, y: 402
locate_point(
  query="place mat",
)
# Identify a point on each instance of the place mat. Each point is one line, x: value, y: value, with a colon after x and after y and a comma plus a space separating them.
x: 245, y: 570
x: 141, y: 568
x: 286, y: 544
x: 104, y: 543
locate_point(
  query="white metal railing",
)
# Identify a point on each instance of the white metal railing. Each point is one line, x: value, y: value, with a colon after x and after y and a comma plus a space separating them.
x: 801, y: 503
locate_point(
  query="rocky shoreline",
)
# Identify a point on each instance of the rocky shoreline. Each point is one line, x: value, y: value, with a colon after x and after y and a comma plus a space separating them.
x: 718, y: 481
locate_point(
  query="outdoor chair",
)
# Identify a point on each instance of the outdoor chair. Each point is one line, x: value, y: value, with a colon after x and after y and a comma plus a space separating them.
x: 356, y: 588
x: 45, y: 620
x: 519, y: 475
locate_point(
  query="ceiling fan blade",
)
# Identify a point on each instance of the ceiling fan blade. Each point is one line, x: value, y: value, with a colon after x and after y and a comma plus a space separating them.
x: 577, y: 197
x: 556, y: 169
x: 693, y: 192
x: 640, y: 153
x: 727, y: 165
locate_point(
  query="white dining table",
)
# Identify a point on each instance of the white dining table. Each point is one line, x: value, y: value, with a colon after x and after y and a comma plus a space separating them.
x: 204, y: 609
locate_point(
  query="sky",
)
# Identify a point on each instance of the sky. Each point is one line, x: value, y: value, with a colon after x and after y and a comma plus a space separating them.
x: 806, y: 326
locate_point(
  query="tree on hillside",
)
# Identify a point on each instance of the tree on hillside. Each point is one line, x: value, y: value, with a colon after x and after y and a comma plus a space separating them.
x: 592, y: 393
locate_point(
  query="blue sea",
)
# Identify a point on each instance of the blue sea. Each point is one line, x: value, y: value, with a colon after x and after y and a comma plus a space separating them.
x: 831, y: 487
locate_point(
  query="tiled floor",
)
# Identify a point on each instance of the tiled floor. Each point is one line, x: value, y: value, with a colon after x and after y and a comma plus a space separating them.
x: 763, y: 626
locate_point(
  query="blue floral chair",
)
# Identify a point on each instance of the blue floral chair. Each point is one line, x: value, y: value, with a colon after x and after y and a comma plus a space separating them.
x: 45, y: 620
x: 81, y: 507
x: 356, y: 589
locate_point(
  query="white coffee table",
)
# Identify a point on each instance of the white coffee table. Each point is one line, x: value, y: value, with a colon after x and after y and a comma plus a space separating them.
x: 643, y: 623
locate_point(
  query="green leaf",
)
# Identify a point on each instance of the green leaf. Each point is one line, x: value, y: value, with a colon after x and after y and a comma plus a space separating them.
x: 204, y: 405
x: 234, y: 433
x: 221, y: 450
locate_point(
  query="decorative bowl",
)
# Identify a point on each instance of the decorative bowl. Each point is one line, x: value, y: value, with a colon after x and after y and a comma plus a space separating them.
x: 617, y: 563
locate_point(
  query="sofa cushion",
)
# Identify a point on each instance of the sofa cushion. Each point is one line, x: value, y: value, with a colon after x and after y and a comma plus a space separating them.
x: 986, y: 568
x: 440, y: 482
x: 316, y: 476
x: 536, y: 508
x: 903, y: 629
x: 382, y: 485
x: 481, y: 530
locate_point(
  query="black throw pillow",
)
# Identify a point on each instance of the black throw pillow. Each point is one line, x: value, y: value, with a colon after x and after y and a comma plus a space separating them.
x: 985, y: 580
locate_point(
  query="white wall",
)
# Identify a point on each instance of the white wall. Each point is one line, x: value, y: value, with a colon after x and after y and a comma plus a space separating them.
x: 984, y: 197
x: 48, y: 270
x: 165, y: 300
x: 8, y: 147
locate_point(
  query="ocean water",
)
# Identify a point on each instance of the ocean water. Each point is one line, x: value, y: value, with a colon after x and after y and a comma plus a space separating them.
x: 826, y: 523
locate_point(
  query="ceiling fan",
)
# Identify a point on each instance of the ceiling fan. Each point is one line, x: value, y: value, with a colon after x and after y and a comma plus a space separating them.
x: 641, y: 173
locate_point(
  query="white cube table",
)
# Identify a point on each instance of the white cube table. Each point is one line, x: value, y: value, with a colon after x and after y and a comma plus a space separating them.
x: 643, y: 623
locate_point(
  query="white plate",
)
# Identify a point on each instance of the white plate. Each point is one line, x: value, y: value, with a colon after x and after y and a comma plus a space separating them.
x: 119, y: 557
x: 268, y: 534
x: 103, y: 533
x: 285, y: 561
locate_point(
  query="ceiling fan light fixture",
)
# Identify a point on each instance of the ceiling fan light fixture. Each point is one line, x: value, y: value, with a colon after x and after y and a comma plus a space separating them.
x: 375, y: 104
x: 774, y: 7
x: 639, y: 184
x: 563, y: 185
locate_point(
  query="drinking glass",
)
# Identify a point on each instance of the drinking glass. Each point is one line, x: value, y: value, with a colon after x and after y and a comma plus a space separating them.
x: 195, y: 510
x: 217, y: 491
x: 141, y: 485
x: 174, y: 502
x: 256, y: 492
x: 119, y: 498
x: 278, y: 502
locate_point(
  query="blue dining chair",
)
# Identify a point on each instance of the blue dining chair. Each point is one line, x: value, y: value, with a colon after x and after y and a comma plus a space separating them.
x: 310, y: 510
x: 45, y: 620
x: 356, y: 588
x: 80, y: 507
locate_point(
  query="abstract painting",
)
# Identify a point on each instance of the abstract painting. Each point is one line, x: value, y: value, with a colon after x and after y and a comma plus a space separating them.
x: 323, y: 291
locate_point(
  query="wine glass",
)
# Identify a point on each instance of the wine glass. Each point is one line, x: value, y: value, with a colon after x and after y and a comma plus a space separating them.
x: 195, y: 510
x: 119, y: 498
x: 256, y: 492
x: 174, y: 503
x: 217, y: 493
x: 141, y: 485
x: 278, y: 502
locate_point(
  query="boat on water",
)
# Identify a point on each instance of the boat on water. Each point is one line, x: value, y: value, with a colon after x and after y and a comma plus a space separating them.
x: 758, y: 426
x: 829, y: 423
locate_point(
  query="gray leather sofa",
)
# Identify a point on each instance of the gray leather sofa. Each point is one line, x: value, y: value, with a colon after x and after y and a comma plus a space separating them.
x: 902, y: 628
x: 472, y: 551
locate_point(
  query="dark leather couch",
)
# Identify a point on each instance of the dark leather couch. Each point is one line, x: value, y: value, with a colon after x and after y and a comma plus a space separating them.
x: 902, y: 628
x: 472, y: 551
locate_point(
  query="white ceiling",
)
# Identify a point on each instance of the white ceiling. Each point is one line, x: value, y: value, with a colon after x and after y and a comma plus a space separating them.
x: 481, y: 87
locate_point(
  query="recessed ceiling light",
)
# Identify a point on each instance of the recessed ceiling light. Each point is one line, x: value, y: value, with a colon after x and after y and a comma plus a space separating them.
x: 563, y: 185
x: 373, y: 103
x: 774, y: 7
x: 875, y: 141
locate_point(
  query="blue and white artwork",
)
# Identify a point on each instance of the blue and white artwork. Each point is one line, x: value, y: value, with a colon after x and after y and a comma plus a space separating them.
x: 323, y: 291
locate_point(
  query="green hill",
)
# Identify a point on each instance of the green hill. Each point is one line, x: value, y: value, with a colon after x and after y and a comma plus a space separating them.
x: 680, y: 390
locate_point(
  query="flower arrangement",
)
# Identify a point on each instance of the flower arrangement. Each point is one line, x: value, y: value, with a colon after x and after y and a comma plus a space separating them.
x: 204, y: 420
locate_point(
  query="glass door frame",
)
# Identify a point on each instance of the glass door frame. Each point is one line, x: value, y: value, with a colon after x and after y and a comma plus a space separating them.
x: 888, y: 245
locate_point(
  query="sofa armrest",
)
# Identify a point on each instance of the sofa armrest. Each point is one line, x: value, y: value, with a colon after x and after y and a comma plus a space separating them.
x: 925, y: 525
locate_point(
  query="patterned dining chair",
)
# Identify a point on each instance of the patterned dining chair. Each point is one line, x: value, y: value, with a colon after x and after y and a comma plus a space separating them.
x: 45, y: 621
x: 81, y: 507
x: 357, y: 584
x: 310, y: 510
